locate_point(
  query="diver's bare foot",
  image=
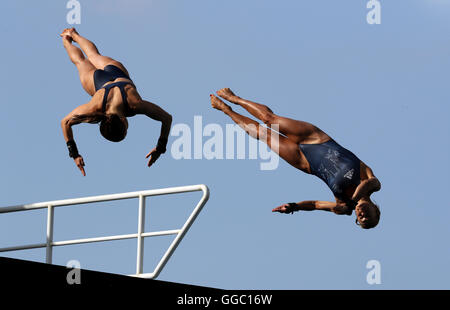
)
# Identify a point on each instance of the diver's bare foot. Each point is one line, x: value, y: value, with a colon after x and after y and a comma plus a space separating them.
x: 69, y: 32
x: 218, y: 104
x: 227, y: 94
x: 65, y: 32
x: 66, y: 39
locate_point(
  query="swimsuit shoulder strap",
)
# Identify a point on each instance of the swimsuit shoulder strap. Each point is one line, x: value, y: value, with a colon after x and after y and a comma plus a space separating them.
x: 124, y: 94
x: 105, y: 98
x: 121, y: 86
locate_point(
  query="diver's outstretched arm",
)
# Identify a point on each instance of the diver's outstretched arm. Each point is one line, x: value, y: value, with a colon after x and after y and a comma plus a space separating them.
x: 83, y: 113
x: 157, y: 113
x: 311, y: 205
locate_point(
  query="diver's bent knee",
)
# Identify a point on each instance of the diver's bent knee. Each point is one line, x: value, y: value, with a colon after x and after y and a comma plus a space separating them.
x: 268, y: 118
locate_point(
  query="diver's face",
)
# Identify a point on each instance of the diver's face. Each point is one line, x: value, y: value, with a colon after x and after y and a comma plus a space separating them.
x: 364, y: 213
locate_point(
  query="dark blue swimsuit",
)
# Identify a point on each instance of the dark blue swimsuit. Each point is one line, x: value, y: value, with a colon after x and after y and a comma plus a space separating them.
x: 336, y: 166
x: 108, y: 74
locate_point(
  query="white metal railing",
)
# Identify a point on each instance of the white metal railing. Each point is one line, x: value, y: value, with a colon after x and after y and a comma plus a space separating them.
x: 140, y: 235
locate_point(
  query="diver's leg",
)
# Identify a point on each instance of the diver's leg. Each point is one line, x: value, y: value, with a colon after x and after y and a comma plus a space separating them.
x: 92, y: 53
x: 85, y: 67
x: 281, y: 145
x: 297, y: 131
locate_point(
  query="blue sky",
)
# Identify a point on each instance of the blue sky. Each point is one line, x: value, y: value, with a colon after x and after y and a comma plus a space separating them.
x: 379, y: 90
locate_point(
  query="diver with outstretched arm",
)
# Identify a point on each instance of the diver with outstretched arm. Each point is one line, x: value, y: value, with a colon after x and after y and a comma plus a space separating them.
x: 114, y: 98
x: 309, y: 149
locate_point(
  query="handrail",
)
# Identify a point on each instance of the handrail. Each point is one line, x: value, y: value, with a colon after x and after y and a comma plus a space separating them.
x: 140, y: 235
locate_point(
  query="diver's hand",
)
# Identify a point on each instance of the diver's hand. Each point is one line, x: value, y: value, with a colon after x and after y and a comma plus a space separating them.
x: 80, y: 164
x: 286, y: 208
x: 154, y: 155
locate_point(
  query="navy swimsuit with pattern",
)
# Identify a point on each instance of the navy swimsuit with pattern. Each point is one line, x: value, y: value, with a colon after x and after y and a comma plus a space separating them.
x: 336, y: 166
